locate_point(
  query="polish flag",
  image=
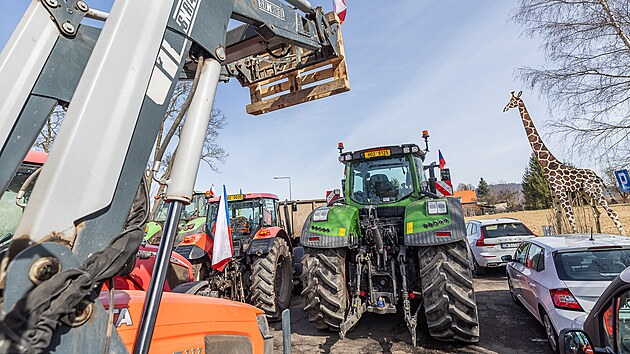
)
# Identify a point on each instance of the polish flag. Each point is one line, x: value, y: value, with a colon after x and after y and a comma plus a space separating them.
x: 222, y: 250
x: 340, y: 9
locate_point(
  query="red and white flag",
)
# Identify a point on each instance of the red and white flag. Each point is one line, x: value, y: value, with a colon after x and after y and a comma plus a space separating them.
x: 222, y: 250
x: 340, y: 9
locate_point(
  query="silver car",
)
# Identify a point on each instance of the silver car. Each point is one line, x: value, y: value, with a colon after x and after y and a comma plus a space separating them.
x: 489, y: 240
x: 559, y: 278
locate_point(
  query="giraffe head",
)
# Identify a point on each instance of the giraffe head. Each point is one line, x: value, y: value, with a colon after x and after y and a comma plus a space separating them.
x: 514, y: 100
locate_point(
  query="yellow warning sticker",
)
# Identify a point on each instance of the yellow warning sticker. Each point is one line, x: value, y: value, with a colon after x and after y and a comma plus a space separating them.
x: 410, y: 227
x: 342, y: 231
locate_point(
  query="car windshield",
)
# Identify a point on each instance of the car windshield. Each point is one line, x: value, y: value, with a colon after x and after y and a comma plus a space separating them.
x: 381, y: 181
x: 592, y: 265
x: 502, y: 230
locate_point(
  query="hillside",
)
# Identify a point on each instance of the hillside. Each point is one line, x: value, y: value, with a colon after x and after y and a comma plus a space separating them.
x: 535, y: 219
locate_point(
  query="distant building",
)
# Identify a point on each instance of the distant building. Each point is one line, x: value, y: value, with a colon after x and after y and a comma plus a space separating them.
x: 469, y: 202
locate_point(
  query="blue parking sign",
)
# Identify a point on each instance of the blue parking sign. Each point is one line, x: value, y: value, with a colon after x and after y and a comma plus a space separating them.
x: 623, y: 178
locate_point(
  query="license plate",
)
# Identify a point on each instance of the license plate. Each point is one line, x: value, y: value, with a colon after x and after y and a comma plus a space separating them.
x: 377, y: 153
x: 235, y: 197
x: 510, y: 245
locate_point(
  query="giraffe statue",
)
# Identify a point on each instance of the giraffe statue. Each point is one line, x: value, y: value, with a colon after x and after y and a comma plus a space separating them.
x: 564, y: 180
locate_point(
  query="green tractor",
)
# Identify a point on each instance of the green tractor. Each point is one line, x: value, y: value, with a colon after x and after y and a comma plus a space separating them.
x: 195, y: 211
x: 389, y: 244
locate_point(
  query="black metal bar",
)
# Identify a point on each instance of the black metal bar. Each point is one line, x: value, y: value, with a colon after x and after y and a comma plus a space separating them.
x: 156, y: 286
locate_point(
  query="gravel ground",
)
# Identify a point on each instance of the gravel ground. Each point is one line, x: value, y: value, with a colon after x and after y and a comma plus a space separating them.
x: 505, y: 328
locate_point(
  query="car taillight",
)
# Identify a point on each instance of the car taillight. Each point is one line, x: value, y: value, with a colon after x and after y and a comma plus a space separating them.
x: 563, y: 299
x: 480, y: 240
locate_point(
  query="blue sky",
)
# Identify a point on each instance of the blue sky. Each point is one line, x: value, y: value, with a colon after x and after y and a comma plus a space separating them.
x: 446, y: 66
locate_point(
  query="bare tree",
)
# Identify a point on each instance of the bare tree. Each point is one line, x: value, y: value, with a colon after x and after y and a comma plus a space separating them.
x: 587, y: 70
x: 165, y: 146
x: 49, y: 132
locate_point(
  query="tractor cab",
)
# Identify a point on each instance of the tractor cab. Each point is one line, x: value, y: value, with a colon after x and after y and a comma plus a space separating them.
x: 197, y: 208
x: 384, y: 175
x: 10, y: 211
x: 248, y: 213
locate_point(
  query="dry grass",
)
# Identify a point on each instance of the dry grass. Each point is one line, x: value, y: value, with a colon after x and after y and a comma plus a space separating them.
x: 535, y: 219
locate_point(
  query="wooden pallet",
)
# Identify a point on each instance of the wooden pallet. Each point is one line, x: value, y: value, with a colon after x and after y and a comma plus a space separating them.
x: 290, y: 89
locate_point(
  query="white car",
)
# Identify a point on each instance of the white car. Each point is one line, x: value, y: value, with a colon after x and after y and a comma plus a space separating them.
x: 559, y: 278
x: 489, y: 240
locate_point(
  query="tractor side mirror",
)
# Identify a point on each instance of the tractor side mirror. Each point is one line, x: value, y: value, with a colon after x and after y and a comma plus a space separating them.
x: 294, y: 207
x: 343, y: 185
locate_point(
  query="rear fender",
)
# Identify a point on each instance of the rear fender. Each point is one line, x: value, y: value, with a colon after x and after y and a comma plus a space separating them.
x: 339, y: 228
x: 180, y: 270
x: 422, y: 229
x: 152, y: 232
x: 271, y: 232
x: 195, y: 248
x: 193, y: 227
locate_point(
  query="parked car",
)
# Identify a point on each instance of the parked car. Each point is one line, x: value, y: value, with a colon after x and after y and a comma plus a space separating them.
x: 489, y: 240
x: 607, y: 327
x: 559, y: 278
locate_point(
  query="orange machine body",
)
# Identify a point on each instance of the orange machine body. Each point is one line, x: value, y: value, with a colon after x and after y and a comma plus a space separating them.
x: 185, y: 322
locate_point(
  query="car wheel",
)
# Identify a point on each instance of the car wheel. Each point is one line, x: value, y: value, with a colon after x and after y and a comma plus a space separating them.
x: 552, y: 337
x: 513, y: 293
x: 477, y: 269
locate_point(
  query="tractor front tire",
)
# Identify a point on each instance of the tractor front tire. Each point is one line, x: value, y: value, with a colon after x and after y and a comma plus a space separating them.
x: 324, y: 282
x: 449, y: 299
x: 271, y: 280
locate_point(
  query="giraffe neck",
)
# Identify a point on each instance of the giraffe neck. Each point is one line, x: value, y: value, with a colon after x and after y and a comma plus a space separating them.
x: 543, y: 154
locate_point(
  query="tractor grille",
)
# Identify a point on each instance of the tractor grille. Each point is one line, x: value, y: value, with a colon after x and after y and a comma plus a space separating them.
x: 387, y: 212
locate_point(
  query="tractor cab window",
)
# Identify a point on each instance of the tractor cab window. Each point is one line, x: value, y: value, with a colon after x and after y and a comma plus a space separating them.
x: 269, y: 213
x: 244, y: 217
x: 420, y: 168
x: 10, y: 213
x: 189, y: 212
x: 381, y: 181
x: 199, y: 200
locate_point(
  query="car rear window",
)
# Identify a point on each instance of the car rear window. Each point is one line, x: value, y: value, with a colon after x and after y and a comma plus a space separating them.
x: 592, y: 265
x: 501, y: 230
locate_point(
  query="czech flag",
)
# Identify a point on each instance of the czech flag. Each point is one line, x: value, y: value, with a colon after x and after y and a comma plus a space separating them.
x: 210, y: 193
x: 340, y: 9
x: 222, y: 250
x: 442, y: 161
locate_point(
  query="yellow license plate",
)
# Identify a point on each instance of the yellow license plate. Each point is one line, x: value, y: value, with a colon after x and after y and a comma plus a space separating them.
x: 236, y: 197
x: 377, y: 153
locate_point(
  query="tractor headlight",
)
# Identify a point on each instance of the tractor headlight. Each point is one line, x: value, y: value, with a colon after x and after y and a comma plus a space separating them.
x: 436, y: 207
x: 406, y: 150
x: 414, y: 149
x: 348, y: 157
x: 321, y: 214
x: 263, y: 326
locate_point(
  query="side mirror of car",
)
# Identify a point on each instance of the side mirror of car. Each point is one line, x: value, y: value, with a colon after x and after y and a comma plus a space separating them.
x: 507, y: 258
x: 576, y: 341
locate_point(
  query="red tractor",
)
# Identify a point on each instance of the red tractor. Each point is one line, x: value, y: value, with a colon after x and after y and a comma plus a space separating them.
x: 261, y: 270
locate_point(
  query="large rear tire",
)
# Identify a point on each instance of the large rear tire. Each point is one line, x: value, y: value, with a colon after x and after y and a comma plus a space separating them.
x: 271, y: 280
x: 449, y: 298
x: 324, y: 282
